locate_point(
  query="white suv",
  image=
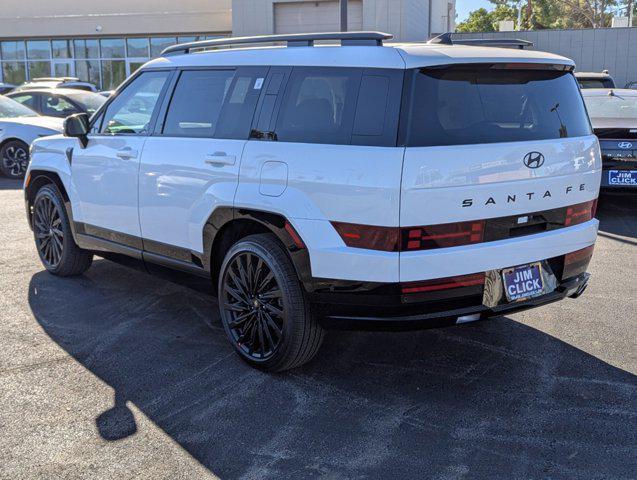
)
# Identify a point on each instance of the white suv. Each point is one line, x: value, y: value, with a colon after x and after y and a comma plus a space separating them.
x: 421, y: 184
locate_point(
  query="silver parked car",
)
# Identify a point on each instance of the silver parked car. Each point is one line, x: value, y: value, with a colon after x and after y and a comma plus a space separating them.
x: 19, y: 126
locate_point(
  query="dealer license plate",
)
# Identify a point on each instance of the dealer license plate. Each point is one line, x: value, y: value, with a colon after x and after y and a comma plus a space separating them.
x: 622, y: 177
x: 522, y: 282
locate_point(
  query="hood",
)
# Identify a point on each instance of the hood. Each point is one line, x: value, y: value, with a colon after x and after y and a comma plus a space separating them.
x: 52, y: 123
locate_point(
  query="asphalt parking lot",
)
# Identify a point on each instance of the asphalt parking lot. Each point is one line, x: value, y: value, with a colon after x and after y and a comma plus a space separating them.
x: 116, y: 375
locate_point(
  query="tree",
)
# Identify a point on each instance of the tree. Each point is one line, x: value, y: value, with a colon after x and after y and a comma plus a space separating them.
x: 479, y: 21
x: 543, y: 14
x: 482, y: 20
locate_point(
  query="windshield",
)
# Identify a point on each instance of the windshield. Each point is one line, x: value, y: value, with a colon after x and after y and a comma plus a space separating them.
x: 472, y: 104
x: 612, y: 106
x: 89, y: 102
x: 595, y: 83
x: 10, y: 108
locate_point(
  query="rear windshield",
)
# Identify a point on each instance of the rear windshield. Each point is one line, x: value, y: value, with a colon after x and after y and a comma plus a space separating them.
x: 482, y: 104
x: 595, y: 83
x: 612, y: 106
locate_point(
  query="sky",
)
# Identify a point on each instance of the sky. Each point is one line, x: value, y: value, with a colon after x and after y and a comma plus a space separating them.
x: 463, y: 7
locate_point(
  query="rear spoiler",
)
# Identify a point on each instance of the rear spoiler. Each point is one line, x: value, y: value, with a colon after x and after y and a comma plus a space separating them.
x: 446, y: 39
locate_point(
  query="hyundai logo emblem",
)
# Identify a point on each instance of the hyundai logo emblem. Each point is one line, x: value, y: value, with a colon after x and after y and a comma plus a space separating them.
x: 534, y: 159
x: 625, y: 145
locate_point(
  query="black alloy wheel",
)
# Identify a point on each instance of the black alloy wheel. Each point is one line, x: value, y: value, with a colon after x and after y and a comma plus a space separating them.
x: 253, y: 306
x: 14, y: 158
x: 263, y: 307
x: 54, y: 240
x: 49, y: 236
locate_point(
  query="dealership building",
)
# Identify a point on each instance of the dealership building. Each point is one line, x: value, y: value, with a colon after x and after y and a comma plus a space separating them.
x: 104, y: 42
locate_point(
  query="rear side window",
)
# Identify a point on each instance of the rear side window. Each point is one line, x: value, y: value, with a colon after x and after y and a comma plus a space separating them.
x: 196, y: 103
x: 26, y: 99
x: 480, y: 104
x: 319, y: 106
x: 213, y: 103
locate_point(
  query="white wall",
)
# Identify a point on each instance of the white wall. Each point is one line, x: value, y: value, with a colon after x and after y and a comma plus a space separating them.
x: 408, y: 20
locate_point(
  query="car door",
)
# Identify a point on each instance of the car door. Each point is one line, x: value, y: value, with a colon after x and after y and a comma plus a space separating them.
x: 105, y: 173
x: 190, y: 164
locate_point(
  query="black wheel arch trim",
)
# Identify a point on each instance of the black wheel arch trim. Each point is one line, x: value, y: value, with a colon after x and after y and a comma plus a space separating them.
x: 274, y: 222
x: 39, y: 178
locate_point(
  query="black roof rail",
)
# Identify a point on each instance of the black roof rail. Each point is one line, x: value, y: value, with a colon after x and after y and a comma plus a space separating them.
x: 292, y: 40
x: 446, y: 39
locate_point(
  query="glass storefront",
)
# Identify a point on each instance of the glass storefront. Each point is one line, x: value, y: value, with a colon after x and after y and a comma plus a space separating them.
x: 105, y: 62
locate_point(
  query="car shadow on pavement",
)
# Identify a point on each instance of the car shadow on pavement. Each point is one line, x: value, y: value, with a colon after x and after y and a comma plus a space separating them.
x: 10, y: 184
x: 485, y: 400
x: 616, y: 214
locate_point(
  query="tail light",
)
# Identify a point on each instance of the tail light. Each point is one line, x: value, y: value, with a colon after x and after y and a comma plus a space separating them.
x: 296, y: 238
x: 577, y: 262
x: 442, y: 236
x: 368, y: 236
x: 580, y: 213
x: 444, y: 283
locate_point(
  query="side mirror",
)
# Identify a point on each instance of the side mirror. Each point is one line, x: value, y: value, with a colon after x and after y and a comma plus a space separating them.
x: 77, y: 126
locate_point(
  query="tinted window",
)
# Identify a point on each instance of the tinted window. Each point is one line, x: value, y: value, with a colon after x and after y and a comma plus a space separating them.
x: 479, y: 104
x: 617, y: 105
x: 89, y: 102
x: 196, y: 103
x: 319, y: 106
x: 10, y: 108
x: 26, y: 99
x: 132, y: 109
x: 57, y: 106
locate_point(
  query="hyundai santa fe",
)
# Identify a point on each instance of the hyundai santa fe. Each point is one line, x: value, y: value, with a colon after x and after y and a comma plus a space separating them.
x: 419, y: 184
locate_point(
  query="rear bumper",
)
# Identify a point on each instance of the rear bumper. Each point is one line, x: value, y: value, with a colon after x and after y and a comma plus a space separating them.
x: 412, y: 318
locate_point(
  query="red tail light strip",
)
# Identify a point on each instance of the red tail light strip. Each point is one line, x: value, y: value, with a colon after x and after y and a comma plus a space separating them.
x: 444, y: 283
x: 580, y: 213
x: 296, y: 238
x: 406, y: 239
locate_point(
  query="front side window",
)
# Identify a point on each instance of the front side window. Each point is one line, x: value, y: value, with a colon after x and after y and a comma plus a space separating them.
x: 474, y: 104
x: 131, y: 111
x: 57, y: 106
x: 319, y: 106
x: 196, y: 103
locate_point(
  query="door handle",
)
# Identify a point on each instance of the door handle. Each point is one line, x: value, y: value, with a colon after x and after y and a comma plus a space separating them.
x: 219, y: 159
x: 126, y: 153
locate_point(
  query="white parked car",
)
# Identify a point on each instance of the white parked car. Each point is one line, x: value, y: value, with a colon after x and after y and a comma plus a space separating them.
x: 423, y: 184
x: 57, y: 82
x: 19, y: 126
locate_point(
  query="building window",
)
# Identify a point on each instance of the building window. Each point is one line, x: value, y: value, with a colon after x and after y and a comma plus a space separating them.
x: 137, y: 47
x: 14, y: 72
x: 105, y: 62
x: 157, y: 45
x: 113, y: 73
x: 86, y: 48
x: 61, y: 48
x: 113, y: 48
x: 38, y: 50
x: 88, y: 71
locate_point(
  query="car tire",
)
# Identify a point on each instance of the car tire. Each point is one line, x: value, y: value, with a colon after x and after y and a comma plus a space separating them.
x: 263, y: 307
x: 54, y: 241
x: 14, y: 159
